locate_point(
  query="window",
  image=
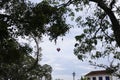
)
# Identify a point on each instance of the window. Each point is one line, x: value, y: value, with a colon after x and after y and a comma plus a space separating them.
x: 100, y: 78
x: 94, y: 78
x: 107, y: 78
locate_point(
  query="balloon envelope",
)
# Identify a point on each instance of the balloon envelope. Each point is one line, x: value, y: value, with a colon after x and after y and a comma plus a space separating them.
x: 58, y: 49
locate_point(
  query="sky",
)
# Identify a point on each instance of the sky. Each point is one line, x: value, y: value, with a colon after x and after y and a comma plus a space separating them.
x: 64, y: 62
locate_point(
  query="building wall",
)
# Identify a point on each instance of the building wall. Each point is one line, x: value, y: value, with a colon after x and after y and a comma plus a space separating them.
x: 103, y: 77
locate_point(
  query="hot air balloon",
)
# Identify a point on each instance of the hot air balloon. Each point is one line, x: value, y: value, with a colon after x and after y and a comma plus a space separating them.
x: 58, y: 49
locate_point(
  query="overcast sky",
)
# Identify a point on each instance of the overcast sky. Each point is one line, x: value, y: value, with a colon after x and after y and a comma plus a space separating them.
x: 64, y: 63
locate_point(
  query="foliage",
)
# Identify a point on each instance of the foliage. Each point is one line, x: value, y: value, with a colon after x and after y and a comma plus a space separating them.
x: 21, y: 70
x: 21, y: 18
x: 100, y: 37
x: 83, y: 78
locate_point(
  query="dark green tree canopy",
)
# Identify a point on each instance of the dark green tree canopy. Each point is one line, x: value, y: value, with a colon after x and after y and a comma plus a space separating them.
x: 21, y: 18
x: 36, y: 19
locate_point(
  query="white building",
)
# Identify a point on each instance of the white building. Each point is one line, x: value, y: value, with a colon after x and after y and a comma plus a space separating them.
x: 100, y: 75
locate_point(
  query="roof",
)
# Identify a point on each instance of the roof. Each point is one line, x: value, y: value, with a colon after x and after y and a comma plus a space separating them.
x: 97, y: 72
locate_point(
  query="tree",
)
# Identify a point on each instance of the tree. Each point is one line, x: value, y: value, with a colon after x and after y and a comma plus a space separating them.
x: 83, y: 78
x: 21, y: 18
x: 47, y: 72
x: 101, y: 31
x: 22, y: 70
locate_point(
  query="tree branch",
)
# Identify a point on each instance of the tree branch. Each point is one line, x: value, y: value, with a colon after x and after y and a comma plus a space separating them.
x: 103, y: 29
x: 67, y: 4
x: 37, y: 53
x: 112, y: 3
x: 115, y: 23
